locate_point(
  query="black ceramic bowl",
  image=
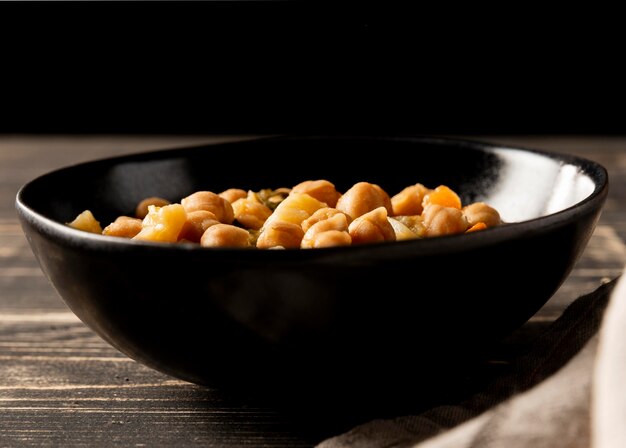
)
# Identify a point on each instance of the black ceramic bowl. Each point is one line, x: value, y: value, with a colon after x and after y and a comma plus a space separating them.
x: 236, y: 316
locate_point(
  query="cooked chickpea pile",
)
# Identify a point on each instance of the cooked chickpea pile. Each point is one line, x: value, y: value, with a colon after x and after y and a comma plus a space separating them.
x: 312, y: 214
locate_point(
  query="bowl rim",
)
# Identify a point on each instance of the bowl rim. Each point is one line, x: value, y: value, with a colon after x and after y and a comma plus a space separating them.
x: 441, y: 244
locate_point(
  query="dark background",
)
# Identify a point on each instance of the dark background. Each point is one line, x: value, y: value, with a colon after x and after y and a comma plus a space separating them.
x: 297, y: 67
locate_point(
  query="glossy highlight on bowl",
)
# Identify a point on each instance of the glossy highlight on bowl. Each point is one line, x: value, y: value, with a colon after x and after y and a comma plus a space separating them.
x: 236, y: 316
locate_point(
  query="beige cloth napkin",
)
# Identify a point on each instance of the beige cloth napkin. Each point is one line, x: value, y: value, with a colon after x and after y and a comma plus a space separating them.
x: 608, y: 398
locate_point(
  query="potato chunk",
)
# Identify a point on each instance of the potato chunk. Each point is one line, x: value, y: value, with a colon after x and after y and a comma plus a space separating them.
x: 142, y: 208
x: 295, y: 208
x: 87, y: 222
x: 162, y: 224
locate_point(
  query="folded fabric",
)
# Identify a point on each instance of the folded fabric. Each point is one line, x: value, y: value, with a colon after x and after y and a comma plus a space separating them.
x: 608, y: 405
x: 544, y: 400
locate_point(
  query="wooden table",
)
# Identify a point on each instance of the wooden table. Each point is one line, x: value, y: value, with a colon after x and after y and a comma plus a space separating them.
x: 61, y: 385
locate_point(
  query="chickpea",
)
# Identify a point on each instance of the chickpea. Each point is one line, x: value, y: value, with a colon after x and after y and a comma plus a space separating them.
x: 481, y: 212
x: 209, y: 201
x: 440, y: 220
x: 232, y: 194
x: 409, y: 200
x: 142, y: 208
x: 336, y: 223
x: 225, y: 235
x: 123, y: 226
x: 372, y: 227
x: 322, y: 190
x: 363, y: 197
x: 321, y: 215
x: 196, y: 224
x: 250, y: 213
x: 330, y: 238
x: 280, y: 233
